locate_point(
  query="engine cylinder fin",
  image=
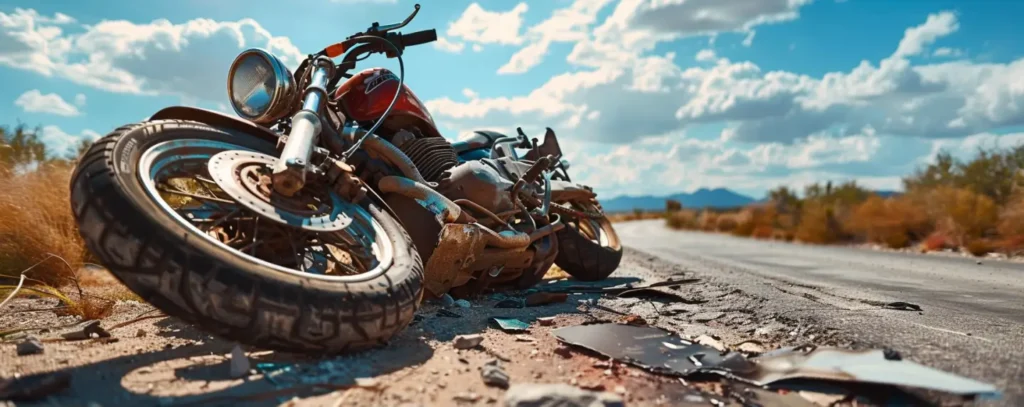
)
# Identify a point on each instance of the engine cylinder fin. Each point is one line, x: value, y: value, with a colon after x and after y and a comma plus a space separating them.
x: 432, y: 156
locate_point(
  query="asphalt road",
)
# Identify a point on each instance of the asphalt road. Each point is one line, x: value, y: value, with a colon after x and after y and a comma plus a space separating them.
x: 972, y: 319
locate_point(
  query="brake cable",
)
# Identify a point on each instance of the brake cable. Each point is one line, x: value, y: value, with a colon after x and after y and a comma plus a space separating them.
x: 398, y: 93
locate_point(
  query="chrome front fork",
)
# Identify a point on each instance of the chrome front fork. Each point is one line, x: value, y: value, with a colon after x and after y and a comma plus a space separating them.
x: 289, y: 172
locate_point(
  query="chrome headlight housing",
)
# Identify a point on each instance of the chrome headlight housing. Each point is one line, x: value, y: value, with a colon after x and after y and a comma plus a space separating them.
x: 260, y: 86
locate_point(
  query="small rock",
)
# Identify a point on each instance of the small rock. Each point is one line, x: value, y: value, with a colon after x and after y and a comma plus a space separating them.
x: 239, y: 363
x: 30, y: 346
x: 523, y: 395
x: 709, y: 341
x: 546, y: 321
x: 751, y: 347
x: 463, y: 304
x: 447, y: 300
x: 620, y: 389
x: 634, y: 320
x: 525, y: 338
x: 467, y: 341
x: 367, y: 382
x: 467, y: 397
x: 494, y: 375
x: 140, y: 333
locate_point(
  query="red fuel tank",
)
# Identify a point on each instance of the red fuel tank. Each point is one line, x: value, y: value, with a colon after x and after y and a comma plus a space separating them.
x: 366, y: 95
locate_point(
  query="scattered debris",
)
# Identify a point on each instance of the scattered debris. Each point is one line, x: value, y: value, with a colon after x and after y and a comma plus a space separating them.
x: 239, y: 363
x: 140, y: 333
x: 712, y: 342
x: 462, y: 304
x: 34, y: 387
x: 30, y: 346
x: 494, y: 375
x: 467, y: 341
x: 617, y: 290
x: 902, y: 306
x: 447, y: 300
x: 650, y: 348
x: 865, y: 366
x: 660, y: 294
x: 544, y: 298
x: 550, y: 395
x: 546, y: 321
x: 708, y: 316
x: 891, y: 354
x: 511, y: 303
x: 511, y: 324
x: 87, y: 330
x: 634, y: 320
x: 525, y: 338
x: 445, y: 313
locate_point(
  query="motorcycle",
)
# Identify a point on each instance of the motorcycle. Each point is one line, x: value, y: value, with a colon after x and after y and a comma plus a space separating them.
x: 318, y: 219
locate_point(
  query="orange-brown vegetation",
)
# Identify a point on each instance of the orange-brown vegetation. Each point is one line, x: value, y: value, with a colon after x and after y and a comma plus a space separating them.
x: 975, y: 206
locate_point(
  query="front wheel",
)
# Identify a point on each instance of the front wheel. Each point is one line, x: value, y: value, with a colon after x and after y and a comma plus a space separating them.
x: 310, y: 273
x: 588, y: 249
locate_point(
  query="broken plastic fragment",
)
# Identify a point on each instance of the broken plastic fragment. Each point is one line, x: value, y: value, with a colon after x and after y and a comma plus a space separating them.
x: 511, y: 324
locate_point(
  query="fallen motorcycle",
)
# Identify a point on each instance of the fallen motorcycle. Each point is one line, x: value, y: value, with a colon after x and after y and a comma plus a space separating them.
x: 319, y: 219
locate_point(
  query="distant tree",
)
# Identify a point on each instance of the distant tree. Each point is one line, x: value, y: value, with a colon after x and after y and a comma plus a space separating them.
x: 673, y: 205
x: 19, y: 148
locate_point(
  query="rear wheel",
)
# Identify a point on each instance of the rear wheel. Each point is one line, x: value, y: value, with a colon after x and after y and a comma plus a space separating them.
x: 199, y: 235
x: 588, y: 249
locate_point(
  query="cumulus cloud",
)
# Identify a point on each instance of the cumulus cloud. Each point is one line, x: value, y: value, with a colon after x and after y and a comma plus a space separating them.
x: 447, y: 45
x: 159, y: 57
x: 481, y: 26
x: 61, y: 143
x: 564, y: 25
x: 35, y: 101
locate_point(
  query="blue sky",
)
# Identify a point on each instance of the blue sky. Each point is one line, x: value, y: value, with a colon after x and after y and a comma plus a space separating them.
x: 649, y: 97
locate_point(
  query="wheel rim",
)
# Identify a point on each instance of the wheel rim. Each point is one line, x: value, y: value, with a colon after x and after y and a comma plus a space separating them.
x: 175, y: 176
x: 596, y: 230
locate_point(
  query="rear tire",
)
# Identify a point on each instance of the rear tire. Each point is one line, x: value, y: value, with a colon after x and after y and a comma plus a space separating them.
x: 178, y: 270
x: 581, y: 256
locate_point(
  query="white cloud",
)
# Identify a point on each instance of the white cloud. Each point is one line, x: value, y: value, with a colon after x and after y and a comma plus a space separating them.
x: 705, y: 55
x: 120, y: 56
x: 947, y: 52
x: 489, y: 27
x: 477, y: 48
x: 61, y: 143
x: 35, y: 101
x: 80, y: 99
x: 565, y: 25
x: 915, y: 39
x: 444, y: 44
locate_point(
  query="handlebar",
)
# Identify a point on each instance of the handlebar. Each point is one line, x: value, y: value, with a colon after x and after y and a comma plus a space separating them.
x: 418, y: 38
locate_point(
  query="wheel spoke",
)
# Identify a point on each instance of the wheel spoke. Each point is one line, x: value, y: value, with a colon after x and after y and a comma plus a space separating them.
x: 196, y: 196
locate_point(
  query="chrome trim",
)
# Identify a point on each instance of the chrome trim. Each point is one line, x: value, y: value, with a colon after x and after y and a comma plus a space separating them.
x: 289, y: 173
x: 163, y: 154
x: 285, y: 89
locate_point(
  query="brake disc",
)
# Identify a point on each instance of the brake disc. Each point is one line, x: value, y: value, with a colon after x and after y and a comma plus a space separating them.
x: 245, y: 177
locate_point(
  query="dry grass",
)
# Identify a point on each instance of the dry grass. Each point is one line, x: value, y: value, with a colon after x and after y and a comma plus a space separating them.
x: 635, y: 215
x: 39, y: 237
x: 681, y: 219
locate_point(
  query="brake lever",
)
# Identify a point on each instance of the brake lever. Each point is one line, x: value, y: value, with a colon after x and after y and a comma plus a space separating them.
x: 378, y: 29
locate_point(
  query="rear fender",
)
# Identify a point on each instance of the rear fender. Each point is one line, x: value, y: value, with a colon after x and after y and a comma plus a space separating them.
x: 215, y: 118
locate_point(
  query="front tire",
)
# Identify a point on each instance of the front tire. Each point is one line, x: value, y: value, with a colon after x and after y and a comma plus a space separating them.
x: 588, y: 249
x: 186, y: 274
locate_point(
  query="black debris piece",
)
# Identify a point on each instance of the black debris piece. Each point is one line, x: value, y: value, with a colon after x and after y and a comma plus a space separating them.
x: 87, y: 330
x: 902, y: 306
x: 581, y: 288
x: 658, y: 294
x: 30, y: 346
x: 446, y: 313
x: 650, y: 348
x: 891, y: 354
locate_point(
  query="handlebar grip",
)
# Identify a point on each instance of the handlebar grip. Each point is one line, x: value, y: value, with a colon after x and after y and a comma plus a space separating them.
x: 419, y: 37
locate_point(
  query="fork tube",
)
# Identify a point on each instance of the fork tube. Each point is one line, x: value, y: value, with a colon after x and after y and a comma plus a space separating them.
x: 289, y: 175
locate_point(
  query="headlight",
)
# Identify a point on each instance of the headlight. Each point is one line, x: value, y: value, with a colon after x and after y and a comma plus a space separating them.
x: 260, y: 86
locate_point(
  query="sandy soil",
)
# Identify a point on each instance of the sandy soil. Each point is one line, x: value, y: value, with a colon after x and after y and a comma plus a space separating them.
x: 164, y: 362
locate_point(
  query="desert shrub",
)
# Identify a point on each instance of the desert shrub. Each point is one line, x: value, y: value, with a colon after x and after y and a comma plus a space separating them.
x: 682, y: 219
x: 981, y: 247
x: 726, y: 222
x: 762, y: 232
x: 936, y: 241
x: 707, y: 221
x: 960, y: 213
x: 1011, y: 218
x: 817, y: 224
x: 673, y: 206
x: 892, y: 222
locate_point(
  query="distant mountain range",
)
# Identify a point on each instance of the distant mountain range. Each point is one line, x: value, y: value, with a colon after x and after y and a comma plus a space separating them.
x: 701, y: 198
x: 720, y: 198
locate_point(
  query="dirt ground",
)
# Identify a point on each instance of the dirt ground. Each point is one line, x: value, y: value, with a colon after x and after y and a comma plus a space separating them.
x: 163, y: 362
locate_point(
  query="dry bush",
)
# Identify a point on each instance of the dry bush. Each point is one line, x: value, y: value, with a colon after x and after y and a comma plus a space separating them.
x: 707, y: 221
x: 763, y: 232
x: 892, y: 222
x: 981, y: 247
x: 1011, y: 219
x: 36, y: 221
x: 961, y: 214
x: 681, y: 219
x: 817, y: 224
x: 935, y: 242
x: 726, y: 222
